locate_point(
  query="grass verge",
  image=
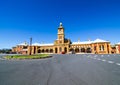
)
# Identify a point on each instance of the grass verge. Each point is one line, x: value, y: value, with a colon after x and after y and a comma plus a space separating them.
x: 38, y: 56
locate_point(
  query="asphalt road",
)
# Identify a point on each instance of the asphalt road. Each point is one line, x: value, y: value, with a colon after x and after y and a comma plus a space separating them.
x: 87, y: 69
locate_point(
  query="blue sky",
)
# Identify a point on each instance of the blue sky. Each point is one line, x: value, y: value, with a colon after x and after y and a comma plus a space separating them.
x: 39, y: 19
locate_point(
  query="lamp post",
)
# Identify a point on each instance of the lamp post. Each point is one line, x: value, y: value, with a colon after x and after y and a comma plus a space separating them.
x: 30, y: 45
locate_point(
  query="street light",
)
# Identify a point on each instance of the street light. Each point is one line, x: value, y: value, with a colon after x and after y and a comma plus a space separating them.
x: 30, y: 45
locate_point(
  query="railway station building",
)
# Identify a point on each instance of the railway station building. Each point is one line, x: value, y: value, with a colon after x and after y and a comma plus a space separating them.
x: 64, y: 45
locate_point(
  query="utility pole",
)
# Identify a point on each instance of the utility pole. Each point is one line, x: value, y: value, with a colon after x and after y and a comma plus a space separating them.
x: 30, y: 45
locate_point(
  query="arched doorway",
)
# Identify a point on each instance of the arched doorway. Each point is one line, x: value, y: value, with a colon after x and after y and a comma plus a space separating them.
x: 76, y: 50
x: 56, y: 50
x: 83, y: 50
x: 71, y: 49
x: 39, y: 51
x: 51, y: 50
x: 65, y: 50
x: 47, y: 50
x: 43, y: 50
x: 88, y: 50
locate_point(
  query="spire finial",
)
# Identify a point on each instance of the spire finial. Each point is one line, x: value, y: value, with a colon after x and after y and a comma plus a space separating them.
x: 61, y: 26
x: 60, y: 23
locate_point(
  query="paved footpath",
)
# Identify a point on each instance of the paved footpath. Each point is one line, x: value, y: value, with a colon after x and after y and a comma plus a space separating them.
x: 72, y: 69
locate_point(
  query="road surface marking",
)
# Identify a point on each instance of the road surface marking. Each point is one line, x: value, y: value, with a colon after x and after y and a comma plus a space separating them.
x: 98, y: 59
x: 110, y: 62
x: 103, y: 60
x: 118, y: 64
x: 2, y: 59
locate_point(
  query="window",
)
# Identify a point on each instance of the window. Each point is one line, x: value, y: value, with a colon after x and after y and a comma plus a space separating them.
x: 60, y: 49
x: 60, y: 41
x: 94, y: 47
x: 101, y: 47
x: 59, y: 29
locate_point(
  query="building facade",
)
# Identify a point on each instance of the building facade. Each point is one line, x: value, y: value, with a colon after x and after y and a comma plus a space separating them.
x: 21, y: 48
x: 64, y: 45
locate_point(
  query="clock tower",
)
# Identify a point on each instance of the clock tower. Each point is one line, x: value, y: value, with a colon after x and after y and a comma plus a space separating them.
x: 61, y: 35
x: 61, y: 45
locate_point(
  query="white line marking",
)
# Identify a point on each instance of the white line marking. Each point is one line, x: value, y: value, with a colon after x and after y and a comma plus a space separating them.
x: 110, y: 62
x: 118, y: 64
x: 2, y: 59
x: 98, y: 59
x: 103, y: 60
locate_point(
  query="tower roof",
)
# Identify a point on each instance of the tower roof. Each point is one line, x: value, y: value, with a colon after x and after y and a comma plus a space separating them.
x: 100, y: 40
x: 90, y: 42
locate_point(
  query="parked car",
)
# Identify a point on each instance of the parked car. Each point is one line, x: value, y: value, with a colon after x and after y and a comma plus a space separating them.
x: 63, y: 52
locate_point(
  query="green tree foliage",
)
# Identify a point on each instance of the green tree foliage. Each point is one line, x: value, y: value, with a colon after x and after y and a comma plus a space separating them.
x: 7, y: 51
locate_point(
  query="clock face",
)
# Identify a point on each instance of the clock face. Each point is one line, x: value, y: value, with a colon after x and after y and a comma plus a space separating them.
x: 60, y: 37
x: 60, y: 31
